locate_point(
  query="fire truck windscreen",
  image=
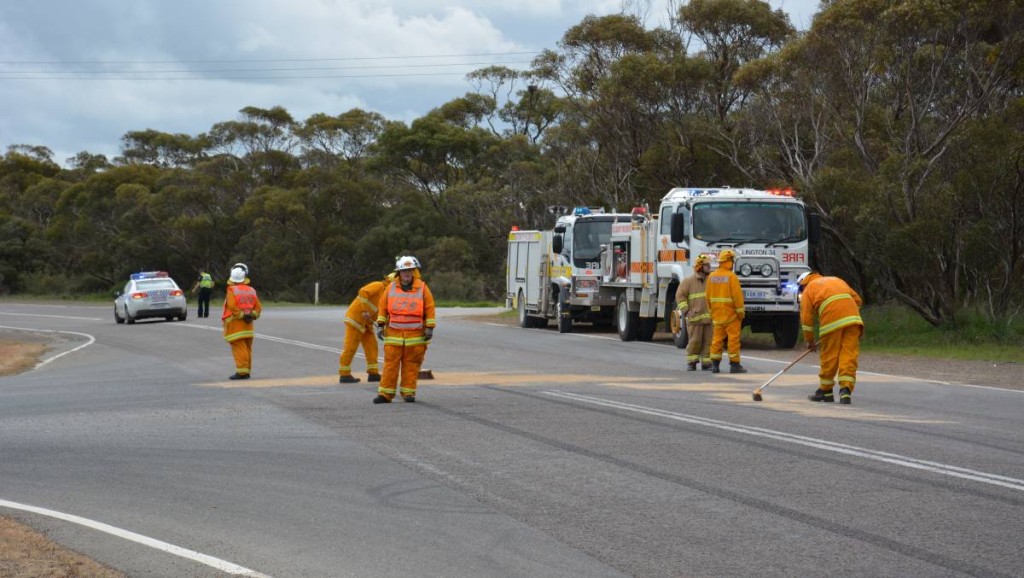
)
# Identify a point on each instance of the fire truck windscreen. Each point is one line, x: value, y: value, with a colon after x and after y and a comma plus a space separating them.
x: 749, y: 222
x: 587, y: 240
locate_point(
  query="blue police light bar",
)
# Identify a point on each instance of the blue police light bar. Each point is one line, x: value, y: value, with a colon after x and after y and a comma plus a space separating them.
x: 148, y: 275
x: 581, y: 211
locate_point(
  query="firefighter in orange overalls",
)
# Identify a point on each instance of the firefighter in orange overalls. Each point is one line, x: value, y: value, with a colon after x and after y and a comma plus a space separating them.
x: 241, y: 308
x: 725, y: 298
x: 359, y: 320
x: 405, y: 321
x: 840, y: 328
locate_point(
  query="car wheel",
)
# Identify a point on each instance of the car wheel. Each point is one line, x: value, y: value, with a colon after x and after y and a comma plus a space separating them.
x: 183, y: 316
x: 117, y: 318
x: 128, y: 317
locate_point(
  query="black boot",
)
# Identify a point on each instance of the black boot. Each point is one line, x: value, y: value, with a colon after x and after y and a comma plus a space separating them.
x: 705, y: 366
x: 735, y: 367
x: 844, y: 396
x: 381, y: 399
x: 822, y: 395
x: 409, y: 398
x: 692, y: 366
x: 240, y: 376
x: 716, y: 366
x: 347, y: 379
x: 372, y: 377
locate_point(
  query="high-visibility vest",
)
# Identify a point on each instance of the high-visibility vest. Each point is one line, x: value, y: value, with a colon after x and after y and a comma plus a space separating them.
x: 405, y: 309
x: 245, y: 299
x: 206, y: 281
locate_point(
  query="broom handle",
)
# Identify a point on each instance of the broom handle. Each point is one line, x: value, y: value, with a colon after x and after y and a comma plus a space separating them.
x: 785, y: 369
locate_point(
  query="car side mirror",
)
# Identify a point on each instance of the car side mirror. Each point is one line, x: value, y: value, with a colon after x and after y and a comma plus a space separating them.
x: 117, y: 293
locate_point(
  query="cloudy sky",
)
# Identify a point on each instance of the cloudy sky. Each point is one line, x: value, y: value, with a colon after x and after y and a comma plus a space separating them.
x: 76, y: 75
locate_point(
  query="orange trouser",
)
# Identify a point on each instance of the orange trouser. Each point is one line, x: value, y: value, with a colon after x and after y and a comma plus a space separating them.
x: 241, y: 350
x: 732, y: 330
x: 404, y: 358
x: 353, y: 338
x: 839, y: 352
x: 699, y: 345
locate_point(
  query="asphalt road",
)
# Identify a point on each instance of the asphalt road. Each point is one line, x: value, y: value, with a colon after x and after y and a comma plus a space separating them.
x: 531, y: 454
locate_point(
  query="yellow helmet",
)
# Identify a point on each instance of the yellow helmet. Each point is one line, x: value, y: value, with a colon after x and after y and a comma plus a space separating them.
x: 727, y: 255
x: 700, y: 261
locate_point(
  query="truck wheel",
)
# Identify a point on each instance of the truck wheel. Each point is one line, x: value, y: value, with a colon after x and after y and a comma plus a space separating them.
x: 625, y: 321
x: 674, y: 322
x: 646, y: 327
x: 524, y: 319
x: 786, y: 331
x: 563, y: 314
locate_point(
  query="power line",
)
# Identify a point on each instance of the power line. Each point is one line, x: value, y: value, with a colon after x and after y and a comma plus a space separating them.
x: 152, y: 78
x: 267, y: 60
x: 221, y: 70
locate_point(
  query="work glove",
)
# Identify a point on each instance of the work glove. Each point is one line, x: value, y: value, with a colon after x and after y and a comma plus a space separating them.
x: 380, y: 332
x: 428, y: 334
x: 247, y: 317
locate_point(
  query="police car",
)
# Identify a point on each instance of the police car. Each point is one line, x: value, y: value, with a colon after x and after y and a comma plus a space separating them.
x: 150, y: 294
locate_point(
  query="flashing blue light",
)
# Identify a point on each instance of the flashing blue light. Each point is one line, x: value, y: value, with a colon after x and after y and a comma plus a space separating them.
x: 581, y: 211
x: 148, y: 275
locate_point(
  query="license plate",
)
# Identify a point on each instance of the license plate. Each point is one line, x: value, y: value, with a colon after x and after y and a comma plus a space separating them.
x: 595, y: 307
x: 756, y: 294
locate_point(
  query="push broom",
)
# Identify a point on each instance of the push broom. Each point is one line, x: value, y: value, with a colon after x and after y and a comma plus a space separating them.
x: 757, y: 392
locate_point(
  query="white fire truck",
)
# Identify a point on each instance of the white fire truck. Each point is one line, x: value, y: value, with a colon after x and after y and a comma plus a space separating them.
x: 770, y: 230
x: 557, y: 274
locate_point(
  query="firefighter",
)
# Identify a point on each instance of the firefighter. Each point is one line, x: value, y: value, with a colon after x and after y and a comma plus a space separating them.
x: 405, y: 322
x: 359, y: 325
x: 693, y: 310
x: 840, y: 328
x: 204, y: 284
x: 241, y: 308
x: 725, y: 298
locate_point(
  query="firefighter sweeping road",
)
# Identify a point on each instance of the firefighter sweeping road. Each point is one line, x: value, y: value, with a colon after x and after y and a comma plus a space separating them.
x: 530, y: 453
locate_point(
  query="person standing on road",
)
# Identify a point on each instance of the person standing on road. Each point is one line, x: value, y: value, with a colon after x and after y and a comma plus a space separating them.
x: 204, y: 284
x: 691, y: 297
x: 359, y: 321
x: 840, y: 328
x: 405, y: 322
x: 725, y: 299
x: 241, y: 308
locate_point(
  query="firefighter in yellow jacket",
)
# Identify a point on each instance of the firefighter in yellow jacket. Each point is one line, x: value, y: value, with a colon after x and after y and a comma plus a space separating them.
x: 359, y: 325
x: 241, y: 308
x: 840, y: 327
x: 405, y: 321
x: 725, y: 298
x: 691, y: 297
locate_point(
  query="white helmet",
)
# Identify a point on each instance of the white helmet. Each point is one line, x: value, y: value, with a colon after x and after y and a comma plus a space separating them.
x: 407, y: 262
x: 802, y: 279
x: 242, y: 266
x: 237, y: 274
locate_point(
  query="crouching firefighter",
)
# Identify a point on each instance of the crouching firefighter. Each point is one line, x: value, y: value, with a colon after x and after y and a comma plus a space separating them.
x: 840, y: 328
x: 405, y: 321
x: 241, y: 308
x: 359, y: 325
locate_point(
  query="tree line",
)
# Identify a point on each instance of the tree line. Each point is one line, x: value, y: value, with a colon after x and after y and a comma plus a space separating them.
x: 900, y: 122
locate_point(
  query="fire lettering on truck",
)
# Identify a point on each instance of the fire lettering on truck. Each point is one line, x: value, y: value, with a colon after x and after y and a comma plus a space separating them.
x: 792, y: 257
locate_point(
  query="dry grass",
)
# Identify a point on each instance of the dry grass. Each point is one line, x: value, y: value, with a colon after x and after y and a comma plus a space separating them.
x: 17, y: 356
x: 25, y: 553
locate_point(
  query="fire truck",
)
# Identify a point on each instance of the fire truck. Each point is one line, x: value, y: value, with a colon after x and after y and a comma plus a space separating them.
x: 771, y: 232
x: 556, y: 274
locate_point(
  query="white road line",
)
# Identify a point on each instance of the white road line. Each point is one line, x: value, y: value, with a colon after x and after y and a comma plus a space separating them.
x: 277, y: 339
x: 217, y: 563
x: 59, y: 355
x: 54, y: 316
x: 896, y: 459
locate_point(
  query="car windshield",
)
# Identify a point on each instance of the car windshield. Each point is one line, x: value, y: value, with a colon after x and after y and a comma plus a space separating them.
x: 746, y: 222
x: 155, y: 284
